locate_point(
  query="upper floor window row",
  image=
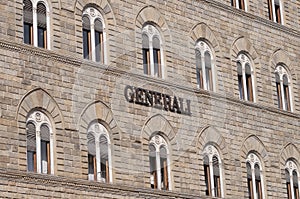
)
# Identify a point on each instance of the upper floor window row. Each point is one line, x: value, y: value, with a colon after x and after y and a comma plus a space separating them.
x: 274, y: 9
x: 36, y: 23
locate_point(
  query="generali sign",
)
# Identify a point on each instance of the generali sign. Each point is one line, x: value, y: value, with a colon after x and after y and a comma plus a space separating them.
x: 157, y: 100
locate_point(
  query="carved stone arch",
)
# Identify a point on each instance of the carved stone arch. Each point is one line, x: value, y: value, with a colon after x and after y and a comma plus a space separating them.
x: 202, y: 32
x: 242, y: 44
x: 289, y: 151
x: 253, y: 144
x: 38, y: 99
x: 158, y: 124
x: 211, y: 135
x: 97, y: 111
x: 281, y: 57
x: 151, y: 14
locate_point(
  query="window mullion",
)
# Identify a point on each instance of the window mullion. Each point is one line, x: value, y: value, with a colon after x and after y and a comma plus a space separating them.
x: 273, y: 10
x: 98, y: 160
x: 292, y: 185
x: 203, y: 71
x: 151, y: 59
x: 38, y: 150
x: 158, y: 170
x: 93, y: 42
x: 34, y: 24
x: 212, y: 185
x: 244, y: 83
x: 253, y: 182
x: 283, y: 95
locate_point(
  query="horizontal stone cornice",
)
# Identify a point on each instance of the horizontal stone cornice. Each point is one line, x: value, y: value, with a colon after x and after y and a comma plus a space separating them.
x: 79, y: 184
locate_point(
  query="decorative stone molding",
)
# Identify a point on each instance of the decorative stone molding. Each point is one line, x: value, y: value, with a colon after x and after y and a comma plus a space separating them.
x: 202, y: 32
x: 156, y: 124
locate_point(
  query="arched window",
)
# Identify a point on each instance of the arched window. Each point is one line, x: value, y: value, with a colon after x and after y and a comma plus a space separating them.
x: 283, y: 89
x: 275, y: 11
x: 99, y: 154
x: 213, y: 172
x: 239, y: 4
x: 254, y: 177
x: 292, y: 180
x: 152, y: 51
x: 245, y: 78
x: 159, y: 163
x: 36, y: 23
x: 204, y: 66
x: 39, y: 144
x: 93, y: 35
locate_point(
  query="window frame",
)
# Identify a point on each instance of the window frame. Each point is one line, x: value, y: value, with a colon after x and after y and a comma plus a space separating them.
x: 98, y: 130
x: 203, y: 48
x: 248, y: 90
x: 93, y: 14
x: 236, y: 4
x: 211, y: 152
x: 284, y: 97
x: 273, y: 12
x: 152, y: 32
x: 291, y: 167
x: 35, y: 28
x: 253, y: 160
x: 157, y: 141
x: 39, y: 119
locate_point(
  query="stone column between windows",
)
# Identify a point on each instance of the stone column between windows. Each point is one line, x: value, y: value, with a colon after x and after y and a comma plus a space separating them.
x: 38, y: 150
x: 292, y: 185
x: 203, y: 70
x: 151, y: 57
x: 158, y: 170
x: 282, y: 95
x: 273, y: 10
x: 93, y: 41
x: 34, y: 24
x: 244, y: 82
x: 98, y: 161
x: 211, y: 177
x: 253, y: 181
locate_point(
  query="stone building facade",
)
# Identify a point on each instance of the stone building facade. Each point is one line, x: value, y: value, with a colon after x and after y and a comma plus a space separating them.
x: 190, y: 99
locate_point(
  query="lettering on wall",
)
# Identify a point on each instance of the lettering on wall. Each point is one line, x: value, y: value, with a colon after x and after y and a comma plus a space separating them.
x: 157, y: 100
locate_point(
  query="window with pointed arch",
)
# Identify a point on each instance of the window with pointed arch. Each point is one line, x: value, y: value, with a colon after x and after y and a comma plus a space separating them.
x: 40, y: 143
x: 245, y: 78
x: 283, y: 88
x: 152, y: 51
x: 254, y: 177
x: 213, y: 172
x: 275, y: 11
x: 204, y: 66
x: 99, y: 153
x: 292, y: 180
x: 159, y: 163
x: 239, y: 4
x: 93, y: 35
x: 36, y: 23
